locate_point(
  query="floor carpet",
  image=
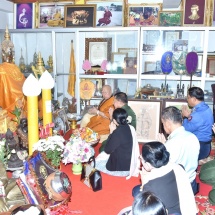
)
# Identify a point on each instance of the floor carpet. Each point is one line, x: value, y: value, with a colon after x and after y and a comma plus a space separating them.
x: 116, y: 194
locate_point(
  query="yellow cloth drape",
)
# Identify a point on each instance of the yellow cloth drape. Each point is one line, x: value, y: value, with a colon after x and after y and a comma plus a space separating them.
x: 11, y: 82
x: 72, y: 76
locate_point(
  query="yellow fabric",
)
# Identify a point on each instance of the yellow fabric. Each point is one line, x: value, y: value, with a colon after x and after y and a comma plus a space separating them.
x: 72, y: 70
x: 98, y: 123
x: 11, y: 82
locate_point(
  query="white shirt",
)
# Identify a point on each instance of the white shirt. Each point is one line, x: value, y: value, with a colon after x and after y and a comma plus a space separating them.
x: 183, y: 147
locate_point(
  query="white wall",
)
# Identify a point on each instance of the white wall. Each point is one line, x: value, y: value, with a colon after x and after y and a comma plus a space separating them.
x: 6, y: 14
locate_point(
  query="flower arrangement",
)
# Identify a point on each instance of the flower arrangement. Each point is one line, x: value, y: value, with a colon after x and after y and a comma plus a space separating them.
x: 53, y: 148
x: 77, y: 151
x: 86, y: 65
x: 104, y: 65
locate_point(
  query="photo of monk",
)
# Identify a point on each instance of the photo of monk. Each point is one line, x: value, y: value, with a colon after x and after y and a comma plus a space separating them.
x: 194, y: 12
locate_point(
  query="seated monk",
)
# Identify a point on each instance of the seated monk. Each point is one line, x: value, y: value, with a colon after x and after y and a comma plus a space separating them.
x: 98, y: 119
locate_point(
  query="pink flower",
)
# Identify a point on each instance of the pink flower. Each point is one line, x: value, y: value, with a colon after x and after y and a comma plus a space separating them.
x: 86, y: 65
x: 86, y: 150
x: 104, y: 65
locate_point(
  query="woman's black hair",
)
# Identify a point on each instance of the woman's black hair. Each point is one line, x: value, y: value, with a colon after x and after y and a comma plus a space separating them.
x: 120, y: 115
x: 155, y: 153
x: 146, y: 203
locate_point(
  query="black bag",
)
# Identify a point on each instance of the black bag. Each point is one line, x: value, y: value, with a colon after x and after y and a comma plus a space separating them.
x: 91, y: 176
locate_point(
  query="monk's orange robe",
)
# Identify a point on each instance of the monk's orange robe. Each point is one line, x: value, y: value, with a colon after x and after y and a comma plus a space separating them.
x: 98, y: 123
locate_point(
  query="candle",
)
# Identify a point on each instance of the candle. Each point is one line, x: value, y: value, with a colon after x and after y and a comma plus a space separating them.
x: 31, y: 89
x: 46, y: 83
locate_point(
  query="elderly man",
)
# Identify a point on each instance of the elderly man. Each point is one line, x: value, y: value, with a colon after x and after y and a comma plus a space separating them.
x: 199, y: 121
x: 99, y: 117
x: 182, y: 145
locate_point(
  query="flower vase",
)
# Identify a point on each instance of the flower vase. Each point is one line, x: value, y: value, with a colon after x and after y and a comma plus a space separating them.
x: 77, y: 168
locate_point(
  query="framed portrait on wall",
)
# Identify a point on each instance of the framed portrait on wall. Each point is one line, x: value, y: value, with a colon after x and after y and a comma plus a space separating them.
x: 195, y: 12
x: 109, y: 13
x: 24, y: 16
x: 143, y: 14
x: 80, y: 15
x: 148, y: 119
x: 51, y: 14
x: 130, y: 65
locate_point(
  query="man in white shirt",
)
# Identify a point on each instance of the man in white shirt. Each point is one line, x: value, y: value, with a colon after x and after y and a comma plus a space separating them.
x: 182, y: 145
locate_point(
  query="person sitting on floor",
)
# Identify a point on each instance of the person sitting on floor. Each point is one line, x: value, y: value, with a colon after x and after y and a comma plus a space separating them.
x: 182, y: 145
x: 120, y: 156
x: 121, y: 101
x: 198, y: 121
x: 98, y: 119
x: 168, y: 181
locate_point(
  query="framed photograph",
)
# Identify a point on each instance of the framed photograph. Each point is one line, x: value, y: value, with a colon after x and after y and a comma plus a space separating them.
x: 195, y: 12
x: 211, y: 65
x: 60, y: 120
x: 175, y: 102
x: 148, y: 119
x: 150, y: 66
x: 51, y: 14
x: 180, y: 45
x: 131, y: 52
x: 118, y: 58
x: 170, y: 18
x: 109, y: 13
x: 143, y: 14
x: 130, y: 65
x: 97, y: 50
x: 24, y: 16
x: 161, y: 97
x: 80, y: 15
x: 169, y: 37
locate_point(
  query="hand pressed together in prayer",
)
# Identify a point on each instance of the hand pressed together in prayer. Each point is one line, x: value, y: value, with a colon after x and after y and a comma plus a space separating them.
x: 185, y: 111
x: 161, y: 138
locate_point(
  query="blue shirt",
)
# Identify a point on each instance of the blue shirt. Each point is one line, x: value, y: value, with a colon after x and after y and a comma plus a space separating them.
x: 200, y: 122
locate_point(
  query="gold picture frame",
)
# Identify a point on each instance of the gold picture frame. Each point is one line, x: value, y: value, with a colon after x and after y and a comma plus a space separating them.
x: 147, y: 14
x: 51, y: 14
x: 131, y: 52
x: 97, y: 50
x: 81, y: 15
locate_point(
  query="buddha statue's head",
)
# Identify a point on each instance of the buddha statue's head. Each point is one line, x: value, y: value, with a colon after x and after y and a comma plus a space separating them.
x: 7, y: 48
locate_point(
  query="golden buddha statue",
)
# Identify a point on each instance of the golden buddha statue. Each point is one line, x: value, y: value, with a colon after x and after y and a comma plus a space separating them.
x: 39, y: 69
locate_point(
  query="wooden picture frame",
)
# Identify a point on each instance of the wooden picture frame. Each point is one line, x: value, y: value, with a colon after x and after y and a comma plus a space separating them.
x: 97, y: 50
x: 148, y: 114
x: 195, y: 12
x: 170, y: 18
x: 130, y: 65
x: 80, y: 15
x: 24, y: 16
x: 211, y: 65
x: 60, y: 120
x: 175, y: 102
x: 51, y: 14
x: 131, y: 52
x: 147, y: 14
x: 169, y: 37
x: 109, y: 13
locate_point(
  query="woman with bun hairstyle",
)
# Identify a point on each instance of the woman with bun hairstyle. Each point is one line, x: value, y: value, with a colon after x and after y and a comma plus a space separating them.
x: 168, y: 181
x: 120, y: 155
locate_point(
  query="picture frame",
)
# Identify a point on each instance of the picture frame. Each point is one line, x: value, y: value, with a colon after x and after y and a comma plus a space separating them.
x: 97, y: 50
x: 60, y: 120
x: 149, y: 66
x: 148, y: 114
x: 118, y: 58
x: 175, y: 102
x: 131, y: 52
x: 151, y: 38
x: 51, y: 14
x: 80, y: 15
x: 130, y: 65
x: 195, y: 12
x: 109, y: 13
x: 170, y: 18
x: 211, y: 65
x: 24, y: 15
x: 169, y: 37
x: 147, y: 14
x: 180, y: 45
x: 161, y: 97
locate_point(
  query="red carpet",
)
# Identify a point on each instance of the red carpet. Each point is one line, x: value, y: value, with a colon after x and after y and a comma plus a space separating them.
x: 116, y: 194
